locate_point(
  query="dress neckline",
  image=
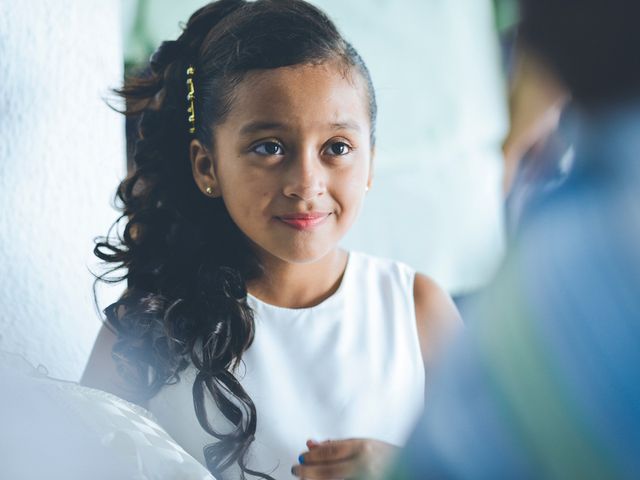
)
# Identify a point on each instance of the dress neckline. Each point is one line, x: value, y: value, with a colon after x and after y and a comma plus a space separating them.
x: 256, y: 302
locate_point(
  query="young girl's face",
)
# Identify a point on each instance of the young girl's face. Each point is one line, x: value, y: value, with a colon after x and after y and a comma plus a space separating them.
x: 292, y: 160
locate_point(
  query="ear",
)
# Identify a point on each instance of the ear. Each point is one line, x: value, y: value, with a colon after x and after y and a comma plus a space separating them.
x: 371, y: 169
x: 203, y: 169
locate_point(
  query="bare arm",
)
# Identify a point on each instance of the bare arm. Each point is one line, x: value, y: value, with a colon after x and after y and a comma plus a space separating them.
x: 437, y: 317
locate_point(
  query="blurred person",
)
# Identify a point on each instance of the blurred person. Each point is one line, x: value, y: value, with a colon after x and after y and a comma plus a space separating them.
x: 244, y: 328
x: 536, y: 101
x: 545, y: 383
x: 537, y: 149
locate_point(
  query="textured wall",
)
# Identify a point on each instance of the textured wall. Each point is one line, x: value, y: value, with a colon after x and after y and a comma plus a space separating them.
x: 61, y: 155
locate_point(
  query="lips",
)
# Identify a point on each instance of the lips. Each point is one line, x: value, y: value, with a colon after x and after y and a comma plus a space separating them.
x: 304, y: 221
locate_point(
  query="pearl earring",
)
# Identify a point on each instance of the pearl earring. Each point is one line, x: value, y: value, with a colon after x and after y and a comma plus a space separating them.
x: 209, y: 190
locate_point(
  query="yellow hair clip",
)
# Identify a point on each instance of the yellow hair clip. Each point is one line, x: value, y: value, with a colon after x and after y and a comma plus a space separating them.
x: 191, y: 95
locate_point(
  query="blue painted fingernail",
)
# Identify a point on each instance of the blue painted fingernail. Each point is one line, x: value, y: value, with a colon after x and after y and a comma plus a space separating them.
x: 301, y: 459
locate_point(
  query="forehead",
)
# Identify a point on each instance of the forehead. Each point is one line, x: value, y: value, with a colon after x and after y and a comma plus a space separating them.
x: 302, y: 94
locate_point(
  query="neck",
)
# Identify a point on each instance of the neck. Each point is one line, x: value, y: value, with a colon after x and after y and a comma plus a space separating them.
x: 294, y: 285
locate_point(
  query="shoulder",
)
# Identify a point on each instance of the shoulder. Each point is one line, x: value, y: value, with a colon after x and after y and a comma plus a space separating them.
x: 381, y: 268
x: 430, y: 298
x: 437, y: 317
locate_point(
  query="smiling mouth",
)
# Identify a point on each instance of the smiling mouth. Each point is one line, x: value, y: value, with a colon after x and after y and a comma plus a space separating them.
x: 304, y: 221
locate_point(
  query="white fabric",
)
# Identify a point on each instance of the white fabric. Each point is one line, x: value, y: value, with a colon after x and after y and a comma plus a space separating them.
x: 59, y: 430
x: 349, y: 367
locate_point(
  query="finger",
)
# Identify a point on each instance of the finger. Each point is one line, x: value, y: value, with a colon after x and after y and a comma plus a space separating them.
x: 332, y: 451
x: 342, y: 469
x: 312, y: 444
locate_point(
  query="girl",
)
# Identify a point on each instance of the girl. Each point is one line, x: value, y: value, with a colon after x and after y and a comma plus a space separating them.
x: 245, y: 328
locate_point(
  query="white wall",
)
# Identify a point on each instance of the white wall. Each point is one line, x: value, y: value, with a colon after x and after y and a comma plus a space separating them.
x: 61, y: 156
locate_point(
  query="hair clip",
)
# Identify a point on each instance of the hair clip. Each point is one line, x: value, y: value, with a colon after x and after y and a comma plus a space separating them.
x: 191, y: 95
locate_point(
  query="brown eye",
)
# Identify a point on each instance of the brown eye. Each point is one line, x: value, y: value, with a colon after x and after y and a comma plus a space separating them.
x: 268, y: 148
x: 338, y: 148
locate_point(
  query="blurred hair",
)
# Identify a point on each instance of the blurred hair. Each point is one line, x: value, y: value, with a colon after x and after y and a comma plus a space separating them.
x: 592, y: 45
x: 186, y: 262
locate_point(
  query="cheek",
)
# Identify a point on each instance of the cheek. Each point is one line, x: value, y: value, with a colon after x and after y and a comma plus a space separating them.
x: 350, y: 188
x: 243, y: 189
x: 247, y: 204
x: 247, y: 207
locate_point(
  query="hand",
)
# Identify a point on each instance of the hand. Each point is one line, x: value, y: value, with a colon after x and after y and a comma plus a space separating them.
x: 343, y: 459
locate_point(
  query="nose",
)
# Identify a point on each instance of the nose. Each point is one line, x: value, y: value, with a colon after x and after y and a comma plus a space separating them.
x: 305, y: 178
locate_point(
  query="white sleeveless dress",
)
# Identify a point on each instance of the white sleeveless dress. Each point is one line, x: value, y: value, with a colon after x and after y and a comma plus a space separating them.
x: 350, y: 367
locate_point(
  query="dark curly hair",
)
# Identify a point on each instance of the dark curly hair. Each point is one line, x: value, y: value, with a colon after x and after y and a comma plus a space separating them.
x: 185, y: 261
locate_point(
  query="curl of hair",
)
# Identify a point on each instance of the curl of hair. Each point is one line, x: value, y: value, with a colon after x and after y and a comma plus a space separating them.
x: 185, y: 261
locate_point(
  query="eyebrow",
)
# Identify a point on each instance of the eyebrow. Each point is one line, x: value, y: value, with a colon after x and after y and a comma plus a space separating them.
x: 260, y: 126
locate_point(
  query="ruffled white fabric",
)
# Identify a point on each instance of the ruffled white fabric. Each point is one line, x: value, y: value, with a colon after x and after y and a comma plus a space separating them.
x: 55, y: 429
